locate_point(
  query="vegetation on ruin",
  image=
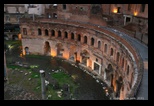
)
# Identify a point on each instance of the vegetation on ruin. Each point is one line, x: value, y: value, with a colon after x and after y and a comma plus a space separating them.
x: 31, y: 81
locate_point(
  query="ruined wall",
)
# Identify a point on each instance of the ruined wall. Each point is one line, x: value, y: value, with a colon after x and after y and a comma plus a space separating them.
x: 36, y: 44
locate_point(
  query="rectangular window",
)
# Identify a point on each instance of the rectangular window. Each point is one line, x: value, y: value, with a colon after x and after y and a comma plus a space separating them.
x: 118, y: 9
x: 25, y: 31
x: 142, y: 7
x: 64, y: 6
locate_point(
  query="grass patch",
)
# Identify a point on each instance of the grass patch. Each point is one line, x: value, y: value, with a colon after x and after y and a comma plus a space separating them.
x: 15, y: 67
x: 64, y: 78
x: 34, y: 85
x: 11, y: 42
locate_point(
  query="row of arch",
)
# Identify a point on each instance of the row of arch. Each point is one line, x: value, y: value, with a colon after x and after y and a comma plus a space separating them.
x: 66, y: 36
x: 123, y: 62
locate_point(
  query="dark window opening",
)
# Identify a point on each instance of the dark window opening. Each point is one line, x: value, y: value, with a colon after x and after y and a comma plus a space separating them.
x: 92, y: 41
x: 81, y: 8
x: 52, y: 33
x: 142, y: 7
x: 79, y: 37
x: 128, y: 70
x: 46, y: 32
x: 118, y: 55
x: 99, y: 44
x: 123, y: 63
x: 85, y: 39
x: 66, y: 35
x: 39, y: 32
x: 64, y: 6
x: 59, y: 34
x: 111, y: 54
x: 118, y: 9
x: 105, y: 49
x: 127, y: 19
x: 96, y: 59
x: 72, y: 35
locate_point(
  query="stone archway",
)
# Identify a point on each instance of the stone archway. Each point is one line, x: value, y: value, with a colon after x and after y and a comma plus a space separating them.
x: 72, y: 53
x: 26, y: 50
x: 47, y: 48
x: 84, y: 57
x: 14, y: 37
x: 119, y: 84
x: 109, y: 75
x: 60, y: 49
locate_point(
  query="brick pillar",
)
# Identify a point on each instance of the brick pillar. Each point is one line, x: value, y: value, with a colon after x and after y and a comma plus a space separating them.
x: 56, y: 33
x: 75, y: 36
x: 62, y: 34
x: 49, y: 33
x: 82, y: 39
x: 69, y: 35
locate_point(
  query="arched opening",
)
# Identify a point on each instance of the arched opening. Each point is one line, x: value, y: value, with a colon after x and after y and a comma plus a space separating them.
x: 79, y: 37
x: 52, y: 33
x: 64, y: 6
x: 123, y: 63
x: 47, y: 48
x: 92, y: 41
x: 66, y: 35
x: 46, y: 32
x: 26, y: 50
x: 39, y: 31
x: 111, y: 54
x: 99, y: 44
x: 85, y: 39
x: 105, y: 48
x: 59, y: 49
x: 71, y: 53
x: 118, y: 56
x: 128, y: 70
x: 59, y: 33
x: 14, y: 37
x: 85, y: 55
x: 119, y: 84
x: 108, y: 73
x: 72, y: 36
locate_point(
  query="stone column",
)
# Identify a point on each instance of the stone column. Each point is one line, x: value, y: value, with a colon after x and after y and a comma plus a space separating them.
x: 42, y: 74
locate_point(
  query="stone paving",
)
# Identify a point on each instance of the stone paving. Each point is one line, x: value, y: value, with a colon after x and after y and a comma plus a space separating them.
x: 16, y: 92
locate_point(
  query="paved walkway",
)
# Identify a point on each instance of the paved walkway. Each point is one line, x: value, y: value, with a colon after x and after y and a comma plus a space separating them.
x: 143, y: 51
